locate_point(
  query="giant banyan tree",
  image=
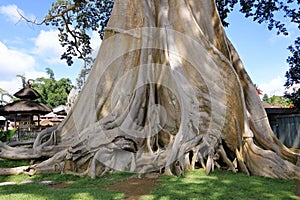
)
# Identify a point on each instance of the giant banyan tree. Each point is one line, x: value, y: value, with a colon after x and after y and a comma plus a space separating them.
x: 168, y: 92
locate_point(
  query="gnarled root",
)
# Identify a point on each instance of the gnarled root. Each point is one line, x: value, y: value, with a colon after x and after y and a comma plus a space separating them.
x: 267, y: 163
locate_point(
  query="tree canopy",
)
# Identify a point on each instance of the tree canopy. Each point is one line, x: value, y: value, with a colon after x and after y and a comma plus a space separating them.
x: 76, y: 19
x: 277, y: 100
x: 293, y: 74
x: 53, y: 93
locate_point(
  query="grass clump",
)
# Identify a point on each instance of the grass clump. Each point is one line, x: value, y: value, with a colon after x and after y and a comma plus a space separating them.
x: 13, y: 163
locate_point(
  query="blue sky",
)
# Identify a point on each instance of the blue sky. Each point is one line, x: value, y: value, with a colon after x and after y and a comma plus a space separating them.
x: 27, y: 49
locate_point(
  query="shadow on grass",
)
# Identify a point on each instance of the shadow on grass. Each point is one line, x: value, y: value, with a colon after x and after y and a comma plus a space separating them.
x: 65, y: 187
x: 193, y: 185
x: 222, y: 185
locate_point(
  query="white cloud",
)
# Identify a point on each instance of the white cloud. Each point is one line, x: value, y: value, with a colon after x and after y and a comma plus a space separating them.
x: 95, y: 41
x: 12, y: 12
x: 15, y: 84
x: 43, y: 51
x: 48, y: 47
x: 14, y: 62
x: 11, y: 86
x: 273, y: 87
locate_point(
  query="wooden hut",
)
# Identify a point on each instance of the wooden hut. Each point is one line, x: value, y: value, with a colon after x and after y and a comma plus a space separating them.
x: 23, y: 111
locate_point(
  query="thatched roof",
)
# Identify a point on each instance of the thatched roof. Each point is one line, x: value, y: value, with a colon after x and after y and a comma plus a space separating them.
x: 24, y: 106
x: 27, y: 93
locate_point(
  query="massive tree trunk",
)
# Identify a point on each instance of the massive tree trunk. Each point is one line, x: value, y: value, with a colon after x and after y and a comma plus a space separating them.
x: 167, y: 92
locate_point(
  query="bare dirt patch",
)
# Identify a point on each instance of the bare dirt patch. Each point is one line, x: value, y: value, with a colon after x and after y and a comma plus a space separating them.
x: 60, y: 185
x: 135, y: 187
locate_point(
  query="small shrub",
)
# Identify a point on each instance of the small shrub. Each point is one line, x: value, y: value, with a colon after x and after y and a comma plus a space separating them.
x: 5, y: 136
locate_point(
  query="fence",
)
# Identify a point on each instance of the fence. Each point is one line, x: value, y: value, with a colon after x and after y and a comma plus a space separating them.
x: 285, y: 124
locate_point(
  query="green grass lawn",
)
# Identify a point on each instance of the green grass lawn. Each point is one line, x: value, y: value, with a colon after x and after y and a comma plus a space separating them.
x: 72, y: 187
x: 193, y: 185
x: 222, y: 185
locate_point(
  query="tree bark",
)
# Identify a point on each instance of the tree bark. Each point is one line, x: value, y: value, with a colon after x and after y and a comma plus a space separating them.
x: 167, y: 91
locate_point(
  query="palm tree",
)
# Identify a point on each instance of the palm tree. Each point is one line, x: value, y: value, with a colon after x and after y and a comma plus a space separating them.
x: 24, y: 82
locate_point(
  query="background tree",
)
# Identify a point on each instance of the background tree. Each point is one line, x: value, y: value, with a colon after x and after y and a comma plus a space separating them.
x: 277, y: 100
x: 265, y: 97
x: 82, y: 76
x: 76, y: 19
x: 53, y: 93
x: 293, y: 75
x: 90, y: 15
x: 50, y: 73
x: 167, y: 90
x: 23, y: 79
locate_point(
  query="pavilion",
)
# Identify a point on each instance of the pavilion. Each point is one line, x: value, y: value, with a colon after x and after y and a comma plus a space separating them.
x: 25, y: 112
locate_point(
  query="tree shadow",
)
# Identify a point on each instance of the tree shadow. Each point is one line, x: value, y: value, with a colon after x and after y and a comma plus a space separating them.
x: 60, y: 186
x: 223, y: 185
x: 193, y: 185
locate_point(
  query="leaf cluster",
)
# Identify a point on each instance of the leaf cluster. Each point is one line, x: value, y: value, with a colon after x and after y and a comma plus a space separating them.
x: 75, y: 20
x: 270, y: 12
x: 277, y: 100
x: 53, y: 93
x: 293, y: 75
x: 7, y: 135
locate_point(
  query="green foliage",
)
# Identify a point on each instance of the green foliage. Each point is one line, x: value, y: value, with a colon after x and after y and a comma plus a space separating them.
x: 263, y: 11
x: 50, y: 72
x: 277, y: 100
x: 23, y: 79
x: 75, y: 20
x: 5, y: 136
x: 12, y: 163
x: 265, y: 97
x: 224, y: 8
x: 293, y: 75
x: 53, y: 93
x: 87, y: 67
